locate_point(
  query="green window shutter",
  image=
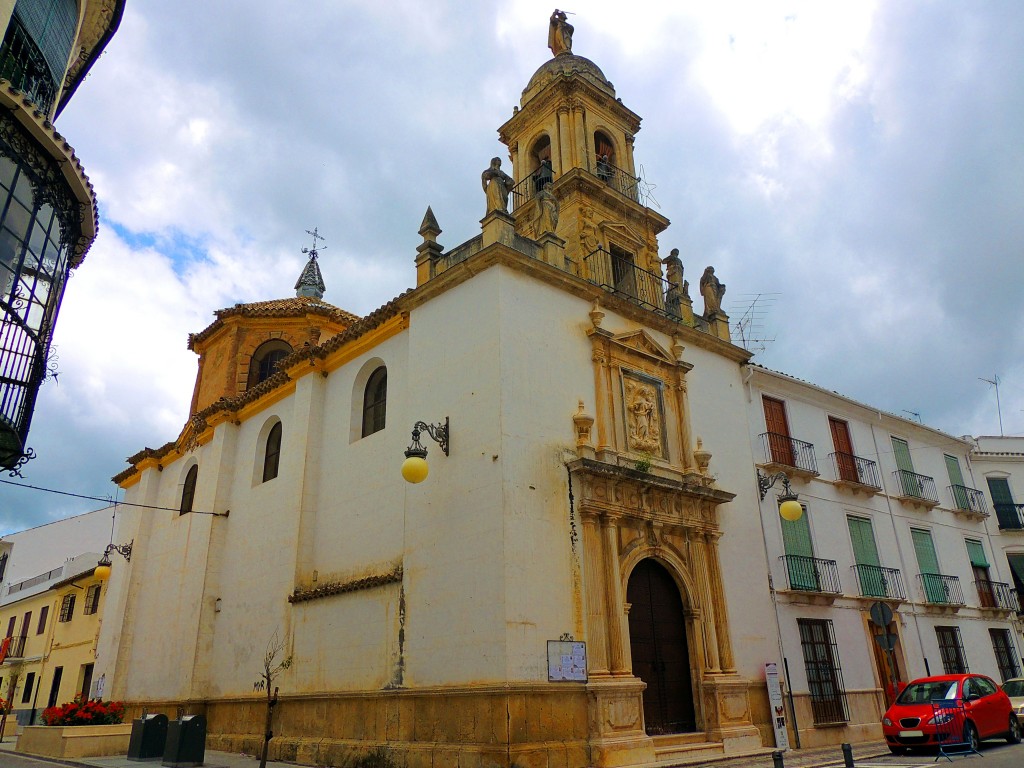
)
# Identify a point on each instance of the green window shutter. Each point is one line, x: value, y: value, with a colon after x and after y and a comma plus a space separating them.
x: 928, y: 562
x: 1002, y: 502
x: 865, y: 552
x: 976, y: 552
x: 902, y: 452
x: 956, y: 477
x: 1017, y: 570
x: 796, y: 537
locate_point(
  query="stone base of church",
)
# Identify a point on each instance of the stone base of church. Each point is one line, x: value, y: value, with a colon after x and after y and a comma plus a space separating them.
x: 728, y: 717
x: 617, y: 735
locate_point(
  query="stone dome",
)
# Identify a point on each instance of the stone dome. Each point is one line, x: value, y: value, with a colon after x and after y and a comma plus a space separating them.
x: 564, y: 65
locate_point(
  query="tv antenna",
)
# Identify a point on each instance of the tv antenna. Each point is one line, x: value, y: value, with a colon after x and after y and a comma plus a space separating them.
x: 994, y: 381
x: 750, y: 327
x: 915, y: 414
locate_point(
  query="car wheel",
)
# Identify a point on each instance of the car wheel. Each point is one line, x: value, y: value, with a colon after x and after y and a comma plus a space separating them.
x: 897, y: 750
x: 1013, y: 735
x: 971, y: 736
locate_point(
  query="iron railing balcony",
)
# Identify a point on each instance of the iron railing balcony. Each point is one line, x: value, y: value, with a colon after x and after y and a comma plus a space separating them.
x: 529, y: 186
x: 1010, y: 516
x: 914, y: 486
x: 968, y: 499
x: 616, y: 178
x: 16, y: 647
x: 854, y: 469
x: 876, y: 581
x: 789, y: 452
x: 812, y: 574
x: 939, y: 589
x: 997, y: 595
x: 621, y: 275
x: 25, y: 67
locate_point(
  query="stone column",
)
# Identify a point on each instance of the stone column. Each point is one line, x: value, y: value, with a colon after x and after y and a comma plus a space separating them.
x: 602, y: 393
x: 683, y: 407
x: 594, y: 588
x: 564, y: 148
x: 583, y: 153
x: 629, y: 154
x: 721, y: 612
x: 699, y: 568
x: 614, y: 595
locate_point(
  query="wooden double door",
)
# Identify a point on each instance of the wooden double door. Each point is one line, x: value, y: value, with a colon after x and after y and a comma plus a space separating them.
x: 659, y: 649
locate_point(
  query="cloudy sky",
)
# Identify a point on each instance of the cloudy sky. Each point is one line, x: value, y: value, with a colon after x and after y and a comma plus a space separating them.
x: 860, y: 165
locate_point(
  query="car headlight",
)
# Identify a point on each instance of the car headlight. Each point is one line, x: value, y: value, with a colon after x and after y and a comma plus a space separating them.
x: 886, y: 721
x: 940, y: 719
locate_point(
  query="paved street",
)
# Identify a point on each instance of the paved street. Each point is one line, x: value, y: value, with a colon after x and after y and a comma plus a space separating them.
x: 994, y: 754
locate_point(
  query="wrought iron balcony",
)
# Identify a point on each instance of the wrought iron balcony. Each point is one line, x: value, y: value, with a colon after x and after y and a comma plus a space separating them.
x: 812, y: 574
x: 968, y: 499
x: 23, y: 65
x: 939, y: 589
x: 1010, y: 516
x: 876, y: 581
x: 997, y: 595
x: 622, y: 276
x: 914, y: 486
x: 16, y: 647
x: 854, y: 469
x: 529, y: 186
x: 789, y: 452
x: 616, y: 178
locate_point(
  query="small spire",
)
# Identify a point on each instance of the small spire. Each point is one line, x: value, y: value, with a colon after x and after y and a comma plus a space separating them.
x: 311, y: 282
x: 429, y: 225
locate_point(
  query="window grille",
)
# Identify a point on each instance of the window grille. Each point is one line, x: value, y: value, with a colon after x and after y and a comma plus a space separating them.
x: 375, y: 402
x: 92, y: 600
x: 951, y: 649
x: 1006, y: 659
x: 824, y: 673
x: 67, y: 608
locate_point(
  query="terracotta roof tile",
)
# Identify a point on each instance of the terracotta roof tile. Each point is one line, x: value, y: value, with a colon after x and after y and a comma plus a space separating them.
x: 295, y: 306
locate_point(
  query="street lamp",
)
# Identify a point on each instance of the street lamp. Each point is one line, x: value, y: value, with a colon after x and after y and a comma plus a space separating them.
x: 789, y: 505
x: 103, y: 566
x: 414, y: 468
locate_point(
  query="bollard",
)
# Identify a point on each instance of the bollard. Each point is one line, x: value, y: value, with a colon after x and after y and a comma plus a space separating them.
x: 847, y: 756
x: 777, y: 761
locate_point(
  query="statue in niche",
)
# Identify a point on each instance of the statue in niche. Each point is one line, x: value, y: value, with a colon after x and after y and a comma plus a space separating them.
x: 643, y: 418
x: 559, y: 33
x: 497, y: 185
x: 547, y: 210
x: 712, y: 290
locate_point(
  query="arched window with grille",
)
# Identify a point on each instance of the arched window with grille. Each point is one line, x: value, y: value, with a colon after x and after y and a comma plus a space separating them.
x: 188, y: 490
x: 375, y: 400
x: 272, y: 454
x: 264, y: 360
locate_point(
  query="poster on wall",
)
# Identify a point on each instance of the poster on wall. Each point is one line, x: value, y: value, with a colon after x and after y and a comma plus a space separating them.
x: 567, y: 661
x: 776, y: 705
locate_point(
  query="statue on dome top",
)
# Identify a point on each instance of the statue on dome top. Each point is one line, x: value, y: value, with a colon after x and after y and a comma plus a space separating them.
x: 559, y: 33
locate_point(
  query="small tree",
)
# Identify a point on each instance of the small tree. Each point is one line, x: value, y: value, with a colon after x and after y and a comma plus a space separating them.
x: 271, y: 669
x: 7, y: 702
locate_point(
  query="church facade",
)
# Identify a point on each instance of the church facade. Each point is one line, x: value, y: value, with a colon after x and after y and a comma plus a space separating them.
x: 556, y: 589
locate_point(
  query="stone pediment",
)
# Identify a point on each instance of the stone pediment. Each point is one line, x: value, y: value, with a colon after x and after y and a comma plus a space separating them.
x: 621, y: 232
x: 641, y: 341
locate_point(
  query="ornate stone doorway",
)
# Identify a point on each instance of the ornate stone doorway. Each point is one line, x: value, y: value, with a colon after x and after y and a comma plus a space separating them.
x: 659, y: 649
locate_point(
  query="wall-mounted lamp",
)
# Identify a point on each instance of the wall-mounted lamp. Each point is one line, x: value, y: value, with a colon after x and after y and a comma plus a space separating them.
x: 414, y: 468
x: 789, y: 505
x: 103, y: 566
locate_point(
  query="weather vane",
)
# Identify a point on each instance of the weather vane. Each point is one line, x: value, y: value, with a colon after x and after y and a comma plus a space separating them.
x: 314, y: 251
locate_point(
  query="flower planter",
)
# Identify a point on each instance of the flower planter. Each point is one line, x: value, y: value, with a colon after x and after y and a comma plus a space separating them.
x: 75, y: 740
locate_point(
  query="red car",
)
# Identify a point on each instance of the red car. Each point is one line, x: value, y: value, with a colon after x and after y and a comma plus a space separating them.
x: 928, y: 709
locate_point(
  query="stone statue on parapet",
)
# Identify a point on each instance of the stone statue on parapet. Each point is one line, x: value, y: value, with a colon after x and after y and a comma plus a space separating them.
x: 547, y: 210
x: 712, y: 290
x: 497, y: 185
x: 678, y: 288
x: 559, y: 33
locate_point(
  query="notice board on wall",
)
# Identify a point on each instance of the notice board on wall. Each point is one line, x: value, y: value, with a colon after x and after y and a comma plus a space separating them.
x: 567, y: 661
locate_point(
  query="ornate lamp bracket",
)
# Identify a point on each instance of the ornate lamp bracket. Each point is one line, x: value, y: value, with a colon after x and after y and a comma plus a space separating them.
x: 437, y: 432
x: 764, y: 482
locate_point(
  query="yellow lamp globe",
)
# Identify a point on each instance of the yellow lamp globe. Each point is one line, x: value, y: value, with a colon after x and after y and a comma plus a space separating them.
x: 102, y: 569
x: 790, y: 509
x: 414, y: 469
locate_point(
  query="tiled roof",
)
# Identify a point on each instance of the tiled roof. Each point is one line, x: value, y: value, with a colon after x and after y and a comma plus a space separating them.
x: 296, y: 306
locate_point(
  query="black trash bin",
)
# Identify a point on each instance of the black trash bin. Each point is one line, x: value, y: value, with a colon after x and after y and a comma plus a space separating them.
x: 149, y: 734
x: 186, y: 742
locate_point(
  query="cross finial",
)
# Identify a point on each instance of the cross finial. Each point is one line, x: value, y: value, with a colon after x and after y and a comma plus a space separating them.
x: 314, y: 251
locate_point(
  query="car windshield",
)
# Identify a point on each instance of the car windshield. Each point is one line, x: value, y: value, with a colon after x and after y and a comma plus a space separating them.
x: 1014, y: 687
x: 926, y: 691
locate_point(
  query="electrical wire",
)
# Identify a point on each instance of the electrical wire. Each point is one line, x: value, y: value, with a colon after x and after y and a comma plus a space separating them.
x: 107, y: 499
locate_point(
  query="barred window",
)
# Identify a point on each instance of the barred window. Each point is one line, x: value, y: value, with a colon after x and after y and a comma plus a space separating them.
x: 824, y: 673
x: 1006, y: 658
x: 951, y: 649
x: 92, y: 600
x: 67, y: 608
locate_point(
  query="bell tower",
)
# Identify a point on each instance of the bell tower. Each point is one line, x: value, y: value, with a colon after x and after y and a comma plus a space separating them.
x: 571, y: 131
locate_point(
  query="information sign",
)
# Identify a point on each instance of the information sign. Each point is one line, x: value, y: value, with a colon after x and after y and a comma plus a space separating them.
x: 777, y: 705
x: 567, y: 661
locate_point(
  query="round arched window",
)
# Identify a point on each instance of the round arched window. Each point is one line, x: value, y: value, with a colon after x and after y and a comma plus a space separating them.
x: 265, y: 359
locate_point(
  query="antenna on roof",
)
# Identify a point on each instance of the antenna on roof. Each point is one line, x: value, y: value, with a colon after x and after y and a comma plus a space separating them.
x: 750, y: 326
x: 994, y: 381
x: 915, y: 414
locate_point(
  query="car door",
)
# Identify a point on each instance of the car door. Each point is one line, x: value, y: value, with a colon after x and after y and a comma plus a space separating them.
x: 988, y: 710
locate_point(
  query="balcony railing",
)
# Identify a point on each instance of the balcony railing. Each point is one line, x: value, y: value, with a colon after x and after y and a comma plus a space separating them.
x: 529, y: 186
x: 854, y: 469
x: 939, y: 589
x: 16, y: 647
x: 914, y: 486
x: 788, y: 451
x: 997, y: 594
x: 1010, y: 516
x: 622, y: 276
x: 876, y: 581
x: 616, y: 178
x: 812, y: 574
x: 23, y: 65
x: 968, y: 499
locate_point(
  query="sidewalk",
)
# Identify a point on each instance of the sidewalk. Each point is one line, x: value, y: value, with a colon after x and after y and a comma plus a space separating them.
x: 213, y: 760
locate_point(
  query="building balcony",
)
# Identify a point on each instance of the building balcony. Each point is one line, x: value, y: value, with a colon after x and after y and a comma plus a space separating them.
x: 941, y: 592
x: 15, y: 647
x: 997, y: 596
x: 915, y: 490
x: 878, y: 583
x: 813, y: 577
x: 1010, y: 517
x: 856, y: 473
x: 620, y: 275
x: 968, y: 500
x: 783, y: 453
x: 24, y: 66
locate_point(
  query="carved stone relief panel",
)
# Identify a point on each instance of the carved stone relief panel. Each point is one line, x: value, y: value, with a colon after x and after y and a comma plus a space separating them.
x: 644, y: 417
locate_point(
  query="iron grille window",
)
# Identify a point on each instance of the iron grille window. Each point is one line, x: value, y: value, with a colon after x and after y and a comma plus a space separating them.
x: 51, y: 25
x: 951, y: 649
x: 44, y: 614
x: 188, y: 490
x: 272, y: 456
x: 824, y: 673
x: 67, y: 608
x: 1006, y: 659
x: 30, y: 682
x: 92, y: 600
x: 375, y: 402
